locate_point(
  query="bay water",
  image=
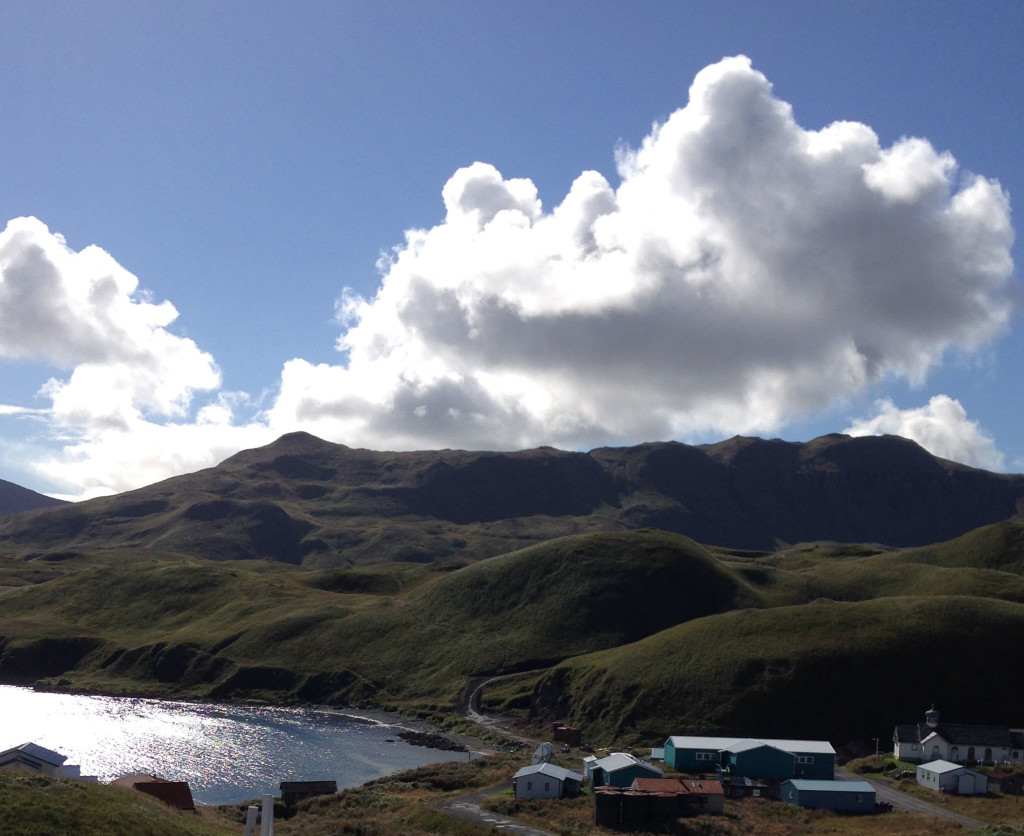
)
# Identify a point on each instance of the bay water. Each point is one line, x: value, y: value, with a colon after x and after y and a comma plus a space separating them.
x: 227, y: 753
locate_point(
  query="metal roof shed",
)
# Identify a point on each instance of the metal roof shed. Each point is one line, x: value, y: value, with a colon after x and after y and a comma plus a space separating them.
x: 844, y: 796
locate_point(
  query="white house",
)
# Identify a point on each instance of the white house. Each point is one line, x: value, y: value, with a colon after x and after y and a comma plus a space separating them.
x: 545, y: 780
x: 957, y: 742
x: 31, y: 757
x: 952, y: 777
x: 588, y: 767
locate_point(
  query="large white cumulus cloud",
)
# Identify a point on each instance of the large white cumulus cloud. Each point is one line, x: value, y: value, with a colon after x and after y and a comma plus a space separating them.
x: 745, y: 271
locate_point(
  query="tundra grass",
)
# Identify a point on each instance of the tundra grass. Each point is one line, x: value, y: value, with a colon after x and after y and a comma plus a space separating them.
x: 841, y: 639
x: 837, y: 671
x: 32, y: 805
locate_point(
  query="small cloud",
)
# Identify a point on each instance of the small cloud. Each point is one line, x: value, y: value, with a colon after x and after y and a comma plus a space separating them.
x: 942, y: 428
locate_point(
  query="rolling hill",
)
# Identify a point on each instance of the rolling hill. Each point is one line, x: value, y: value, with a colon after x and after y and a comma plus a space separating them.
x: 627, y: 634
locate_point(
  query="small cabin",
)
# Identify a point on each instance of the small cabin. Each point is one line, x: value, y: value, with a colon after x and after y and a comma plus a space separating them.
x: 545, y: 780
x: 292, y: 792
x: 840, y: 796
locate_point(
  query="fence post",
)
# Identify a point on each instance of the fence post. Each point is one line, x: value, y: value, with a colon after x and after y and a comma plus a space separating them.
x: 267, y: 819
x: 250, y: 820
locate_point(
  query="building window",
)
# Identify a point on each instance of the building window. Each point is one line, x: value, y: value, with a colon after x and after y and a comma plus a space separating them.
x: 547, y: 786
x: 804, y: 759
x: 529, y: 785
x: 914, y: 746
x: 860, y: 798
x: 705, y: 756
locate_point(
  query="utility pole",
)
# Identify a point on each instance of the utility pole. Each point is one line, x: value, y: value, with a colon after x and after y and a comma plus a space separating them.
x: 876, y: 751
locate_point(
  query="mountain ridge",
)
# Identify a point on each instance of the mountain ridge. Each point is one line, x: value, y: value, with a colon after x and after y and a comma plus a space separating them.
x: 15, y: 498
x: 309, y: 501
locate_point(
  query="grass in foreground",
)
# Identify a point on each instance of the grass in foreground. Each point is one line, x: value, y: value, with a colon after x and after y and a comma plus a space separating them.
x: 402, y: 804
x: 407, y: 804
x: 34, y: 805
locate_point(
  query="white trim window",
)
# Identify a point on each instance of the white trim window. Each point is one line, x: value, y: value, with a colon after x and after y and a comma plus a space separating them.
x: 705, y: 756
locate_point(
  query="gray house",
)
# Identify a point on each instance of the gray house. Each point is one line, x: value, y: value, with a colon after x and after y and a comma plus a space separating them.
x: 31, y: 757
x: 944, y: 776
x: 545, y: 780
x: 846, y: 796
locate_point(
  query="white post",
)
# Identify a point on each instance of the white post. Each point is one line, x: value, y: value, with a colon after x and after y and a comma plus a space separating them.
x: 267, y: 819
x: 250, y: 820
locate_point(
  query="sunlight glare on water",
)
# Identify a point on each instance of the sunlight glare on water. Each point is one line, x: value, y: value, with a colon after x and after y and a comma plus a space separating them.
x: 227, y: 753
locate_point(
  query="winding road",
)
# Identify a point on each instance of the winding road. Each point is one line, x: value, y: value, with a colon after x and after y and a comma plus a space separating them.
x: 908, y: 803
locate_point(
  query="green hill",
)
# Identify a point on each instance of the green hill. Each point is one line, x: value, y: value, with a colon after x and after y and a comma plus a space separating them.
x: 829, y: 670
x: 630, y: 634
x: 409, y: 632
x: 34, y: 805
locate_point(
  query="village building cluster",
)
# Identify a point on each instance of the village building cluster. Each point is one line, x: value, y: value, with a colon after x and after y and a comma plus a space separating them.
x: 632, y: 793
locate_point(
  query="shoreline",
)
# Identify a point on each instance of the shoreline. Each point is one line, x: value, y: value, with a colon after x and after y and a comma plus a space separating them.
x: 413, y: 730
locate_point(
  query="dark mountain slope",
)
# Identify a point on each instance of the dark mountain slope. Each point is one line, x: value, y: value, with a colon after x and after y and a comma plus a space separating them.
x: 303, y: 500
x: 14, y: 498
x: 754, y: 494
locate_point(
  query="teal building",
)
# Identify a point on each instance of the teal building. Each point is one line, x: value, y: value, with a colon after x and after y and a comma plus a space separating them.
x: 767, y: 758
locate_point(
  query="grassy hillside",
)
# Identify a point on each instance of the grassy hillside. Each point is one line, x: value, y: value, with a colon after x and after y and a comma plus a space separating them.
x: 392, y: 632
x: 34, y: 805
x: 999, y: 547
x: 627, y: 633
x: 826, y: 669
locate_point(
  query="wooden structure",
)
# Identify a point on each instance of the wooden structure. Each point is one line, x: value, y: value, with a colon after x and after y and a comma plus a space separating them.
x: 292, y: 792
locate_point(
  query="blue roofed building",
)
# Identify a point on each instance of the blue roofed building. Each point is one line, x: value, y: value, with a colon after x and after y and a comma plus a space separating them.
x: 841, y: 796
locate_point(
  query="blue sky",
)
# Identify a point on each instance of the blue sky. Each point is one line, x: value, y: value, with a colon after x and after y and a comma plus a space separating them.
x: 250, y: 163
